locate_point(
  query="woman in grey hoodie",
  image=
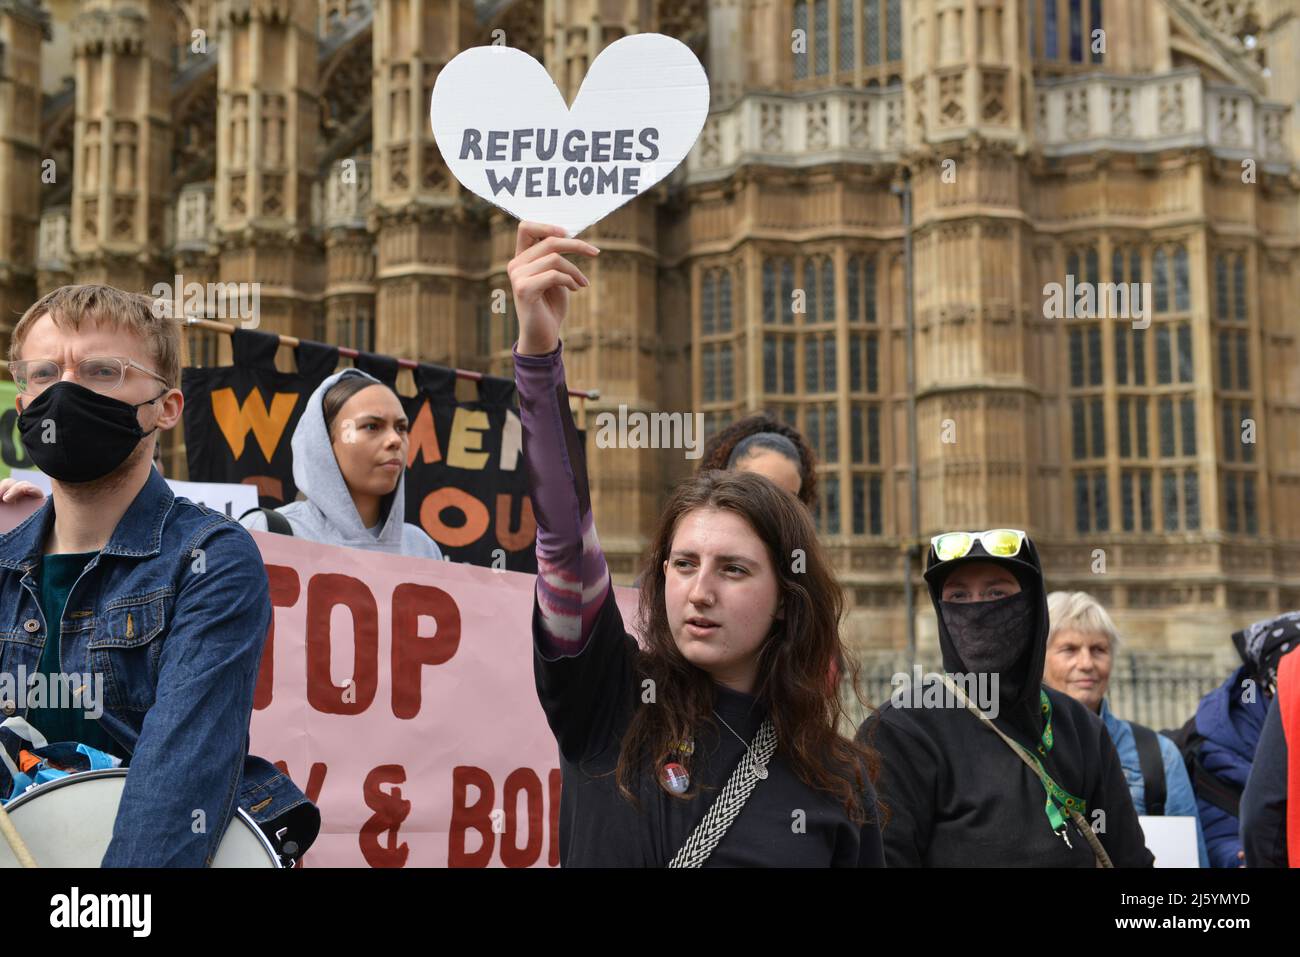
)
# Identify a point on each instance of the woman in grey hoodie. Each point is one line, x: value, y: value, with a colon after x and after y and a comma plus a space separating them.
x: 349, y: 460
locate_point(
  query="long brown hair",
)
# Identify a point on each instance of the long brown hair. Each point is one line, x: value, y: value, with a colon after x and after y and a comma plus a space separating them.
x: 717, y: 451
x: 799, y: 663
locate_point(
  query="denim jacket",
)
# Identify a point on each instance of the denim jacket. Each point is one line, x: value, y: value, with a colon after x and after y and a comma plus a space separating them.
x: 173, y: 614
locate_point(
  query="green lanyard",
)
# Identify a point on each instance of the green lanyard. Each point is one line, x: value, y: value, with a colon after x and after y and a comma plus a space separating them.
x: 1058, y: 799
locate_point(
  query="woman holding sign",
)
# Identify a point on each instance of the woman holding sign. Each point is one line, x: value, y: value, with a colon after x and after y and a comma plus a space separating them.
x: 727, y: 707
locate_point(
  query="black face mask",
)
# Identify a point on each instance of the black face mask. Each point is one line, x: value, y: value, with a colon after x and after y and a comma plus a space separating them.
x: 92, y: 434
x: 992, y: 636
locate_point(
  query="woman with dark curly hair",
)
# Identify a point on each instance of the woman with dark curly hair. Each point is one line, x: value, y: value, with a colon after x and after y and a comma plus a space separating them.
x: 760, y: 443
x: 726, y: 703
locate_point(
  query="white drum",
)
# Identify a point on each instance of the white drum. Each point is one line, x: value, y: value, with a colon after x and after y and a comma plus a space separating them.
x: 69, y: 823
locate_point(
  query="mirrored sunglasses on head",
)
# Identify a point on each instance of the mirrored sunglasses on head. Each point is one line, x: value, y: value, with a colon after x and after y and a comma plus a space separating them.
x: 996, y: 542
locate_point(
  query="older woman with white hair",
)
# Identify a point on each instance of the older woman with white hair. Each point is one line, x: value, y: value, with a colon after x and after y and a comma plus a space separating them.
x: 1081, y: 648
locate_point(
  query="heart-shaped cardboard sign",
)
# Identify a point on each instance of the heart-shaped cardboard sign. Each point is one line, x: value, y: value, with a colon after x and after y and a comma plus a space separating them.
x: 506, y: 134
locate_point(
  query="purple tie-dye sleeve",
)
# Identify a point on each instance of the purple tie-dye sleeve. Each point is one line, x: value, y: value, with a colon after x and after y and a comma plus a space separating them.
x: 572, y: 577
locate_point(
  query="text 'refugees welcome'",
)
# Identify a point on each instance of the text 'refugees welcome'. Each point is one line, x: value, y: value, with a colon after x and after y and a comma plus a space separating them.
x: 579, y: 162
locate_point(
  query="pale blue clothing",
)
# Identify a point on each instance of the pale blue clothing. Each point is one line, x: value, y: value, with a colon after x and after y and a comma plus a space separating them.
x: 1180, y: 801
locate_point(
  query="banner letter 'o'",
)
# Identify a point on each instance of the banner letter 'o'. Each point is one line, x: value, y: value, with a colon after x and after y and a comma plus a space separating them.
x: 476, y: 517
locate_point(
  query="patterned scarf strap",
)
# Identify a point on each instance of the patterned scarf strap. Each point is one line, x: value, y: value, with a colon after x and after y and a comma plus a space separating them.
x: 726, y: 806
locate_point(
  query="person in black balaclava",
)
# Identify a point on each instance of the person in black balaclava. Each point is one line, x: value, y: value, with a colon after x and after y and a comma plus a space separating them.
x: 957, y: 793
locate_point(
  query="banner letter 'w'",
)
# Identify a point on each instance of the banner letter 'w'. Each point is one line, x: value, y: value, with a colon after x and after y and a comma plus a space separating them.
x: 235, y: 420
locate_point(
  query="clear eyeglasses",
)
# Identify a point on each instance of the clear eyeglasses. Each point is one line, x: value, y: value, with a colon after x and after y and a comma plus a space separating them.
x: 102, y: 374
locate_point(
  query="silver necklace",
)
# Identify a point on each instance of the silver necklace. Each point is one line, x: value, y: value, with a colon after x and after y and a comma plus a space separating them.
x: 760, y: 767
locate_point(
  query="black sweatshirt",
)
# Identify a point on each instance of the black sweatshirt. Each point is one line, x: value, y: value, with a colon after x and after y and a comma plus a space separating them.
x: 1263, y: 802
x: 960, y: 797
x: 588, y: 699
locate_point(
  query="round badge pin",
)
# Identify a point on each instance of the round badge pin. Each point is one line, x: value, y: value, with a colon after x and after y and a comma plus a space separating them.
x: 674, y: 777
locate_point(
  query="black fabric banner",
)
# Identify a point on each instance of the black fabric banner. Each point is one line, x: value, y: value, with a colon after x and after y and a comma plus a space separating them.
x: 466, y: 485
x: 239, y: 419
x: 465, y: 479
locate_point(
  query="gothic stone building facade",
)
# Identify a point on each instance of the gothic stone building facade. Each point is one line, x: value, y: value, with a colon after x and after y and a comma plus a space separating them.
x: 287, y: 142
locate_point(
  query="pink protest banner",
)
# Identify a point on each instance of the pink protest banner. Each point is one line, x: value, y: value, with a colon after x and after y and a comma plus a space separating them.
x: 398, y: 693
x: 12, y: 514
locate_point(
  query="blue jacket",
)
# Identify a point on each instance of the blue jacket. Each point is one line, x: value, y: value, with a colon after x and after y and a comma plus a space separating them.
x: 1230, y: 717
x: 1179, y: 799
x: 173, y: 613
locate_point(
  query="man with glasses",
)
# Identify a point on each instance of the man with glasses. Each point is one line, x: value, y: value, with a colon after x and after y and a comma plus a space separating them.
x: 162, y: 602
x: 1027, y: 778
